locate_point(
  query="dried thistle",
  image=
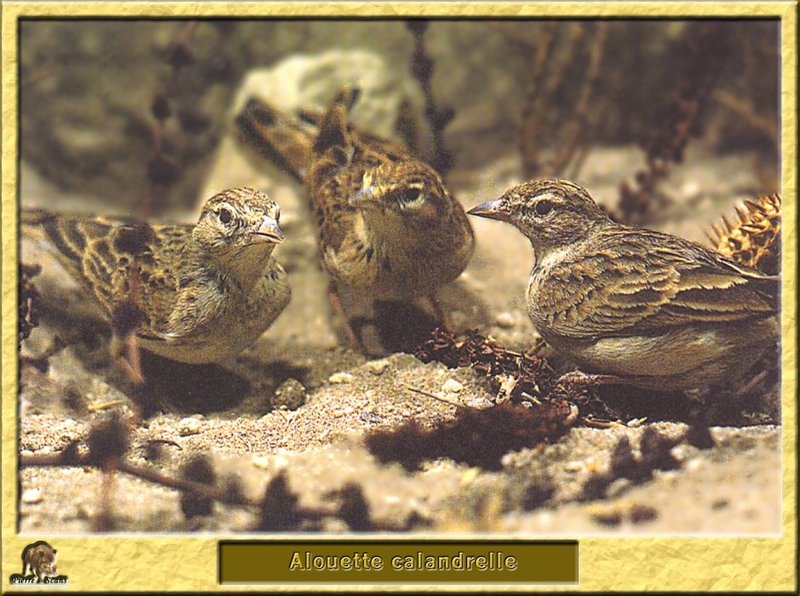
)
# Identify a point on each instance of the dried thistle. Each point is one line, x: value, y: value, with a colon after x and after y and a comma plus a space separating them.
x: 513, y: 376
x: 438, y: 118
x: 29, y: 301
x: 704, y: 49
x: 477, y: 437
x: 562, y: 108
x: 655, y: 455
x: 197, y: 469
x: 279, y: 508
x: 532, y: 376
x: 108, y: 441
x: 755, y: 240
x: 354, y: 509
x: 163, y: 170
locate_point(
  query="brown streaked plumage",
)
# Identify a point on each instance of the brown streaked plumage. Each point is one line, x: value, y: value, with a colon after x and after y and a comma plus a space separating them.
x: 386, y: 225
x: 656, y: 310
x: 199, y: 293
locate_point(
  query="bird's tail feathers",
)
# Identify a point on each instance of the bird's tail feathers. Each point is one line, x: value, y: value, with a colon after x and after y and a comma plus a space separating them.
x: 66, y: 235
x: 276, y: 136
x: 333, y: 129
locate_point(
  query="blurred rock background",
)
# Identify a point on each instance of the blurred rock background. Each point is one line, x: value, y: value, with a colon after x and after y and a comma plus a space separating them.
x: 549, y: 90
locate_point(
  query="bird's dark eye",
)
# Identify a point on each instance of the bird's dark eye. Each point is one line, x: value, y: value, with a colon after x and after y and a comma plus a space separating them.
x: 409, y: 195
x: 542, y: 208
x: 225, y: 216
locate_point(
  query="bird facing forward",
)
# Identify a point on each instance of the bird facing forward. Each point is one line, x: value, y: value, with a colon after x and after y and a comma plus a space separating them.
x: 196, y: 294
x: 386, y: 225
x: 645, y: 308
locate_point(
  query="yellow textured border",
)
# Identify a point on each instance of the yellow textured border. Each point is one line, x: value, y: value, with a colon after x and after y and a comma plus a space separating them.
x: 118, y: 563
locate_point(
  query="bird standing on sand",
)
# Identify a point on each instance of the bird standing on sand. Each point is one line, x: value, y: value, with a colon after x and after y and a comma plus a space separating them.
x: 195, y: 294
x: 640, y: 307
x: 386, y: 225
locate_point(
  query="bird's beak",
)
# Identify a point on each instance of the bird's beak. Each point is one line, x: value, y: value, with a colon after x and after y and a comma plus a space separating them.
x: 491, y: 210
x: 363, y: 197
x: 268, y: 231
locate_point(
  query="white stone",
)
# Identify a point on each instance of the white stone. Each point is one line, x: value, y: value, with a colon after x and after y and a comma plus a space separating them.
x: 340, y: 378
x: 452, y: 386
x: 504, y: 320
x: 694, y: 465
x: 189, y: 426
x: 32, y: 495
x: 377, y: 367
x: 311, y: 81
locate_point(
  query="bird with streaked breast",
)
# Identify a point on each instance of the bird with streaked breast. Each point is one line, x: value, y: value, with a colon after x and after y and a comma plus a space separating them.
x: 386, y: 225
x: 641, y: 307
x: 192, y: 293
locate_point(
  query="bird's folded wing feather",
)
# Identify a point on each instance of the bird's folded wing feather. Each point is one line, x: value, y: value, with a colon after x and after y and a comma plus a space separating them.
x: 118, y: 260
x: 635, y: 284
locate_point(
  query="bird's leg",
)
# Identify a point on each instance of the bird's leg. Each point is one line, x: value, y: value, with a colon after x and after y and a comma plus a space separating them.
x: 438, y: 311
x: 126, y: 353
x: 752, y: 383
x: 338, y: 310
x: 577, y: 377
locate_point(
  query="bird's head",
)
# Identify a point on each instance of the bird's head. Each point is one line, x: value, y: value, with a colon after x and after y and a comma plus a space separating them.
x: 410, y: 190
x: 238, y: 222
x: 552, y: 213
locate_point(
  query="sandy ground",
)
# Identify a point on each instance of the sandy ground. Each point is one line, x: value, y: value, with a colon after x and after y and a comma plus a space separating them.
x: 253, y: 430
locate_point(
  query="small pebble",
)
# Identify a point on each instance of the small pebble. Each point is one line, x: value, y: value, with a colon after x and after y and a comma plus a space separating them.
x: 574, y: 466
x: 469, y: 475
x: 334, y: 526
x: 377, y: 367
x: 32, y: 495
x: 545, y: 518
x: 504, y: 320
x: 694, y: 464
x: 369, y: 417
x: 452, y: 386
x: 478, y: 402
x: 340, y: 378
x: 188, y: 426
x: 291, y: 395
